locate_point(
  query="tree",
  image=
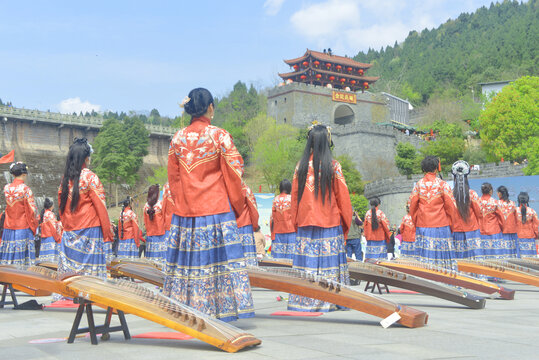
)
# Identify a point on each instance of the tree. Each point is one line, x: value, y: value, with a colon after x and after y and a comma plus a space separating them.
x: 160, y: 176
x: 360, y: 204
x: 352, y: 176
x: 510, y: 122
x: 277, y: 152
x: 447, y: 149
x: 138, y: 140
x: 406, y: 159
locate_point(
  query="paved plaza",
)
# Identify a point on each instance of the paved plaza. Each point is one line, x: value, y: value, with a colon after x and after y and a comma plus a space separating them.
x: 505, y: 329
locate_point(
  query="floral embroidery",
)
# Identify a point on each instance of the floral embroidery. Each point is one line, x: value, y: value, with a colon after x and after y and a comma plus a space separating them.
x: 530, y: 215
x: 407, y: 221
x: 282, y: 202
x: 507, y: 208
x: 429, y: 190
x: 488, y: 206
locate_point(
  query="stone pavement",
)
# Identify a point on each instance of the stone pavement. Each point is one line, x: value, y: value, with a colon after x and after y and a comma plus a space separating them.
x: 505, y: 329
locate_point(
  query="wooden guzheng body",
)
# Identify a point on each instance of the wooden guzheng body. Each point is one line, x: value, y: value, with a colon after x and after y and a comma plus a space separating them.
x: 381, y: 275
x: 445, y: 276
x: 300, y: 283
x: 134, y: 299
x: 525, y: 262
x: 501, y: 269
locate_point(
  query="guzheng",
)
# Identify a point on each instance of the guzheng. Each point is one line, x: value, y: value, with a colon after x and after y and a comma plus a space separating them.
x: 381, y: 275
x: 501, y: 269
x: 525, y: 262
x: 301, y: 283
x: 134, y: 299
x: 445, y: 276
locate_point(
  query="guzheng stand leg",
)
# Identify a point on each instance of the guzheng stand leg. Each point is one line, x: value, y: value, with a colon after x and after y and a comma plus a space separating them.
x: 8, y: 287
x: 376, y: 286
x: 104, y: 329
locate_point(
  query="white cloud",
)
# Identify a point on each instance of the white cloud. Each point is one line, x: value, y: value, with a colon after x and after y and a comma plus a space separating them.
x: 71, y: 105
x: 272, y: 7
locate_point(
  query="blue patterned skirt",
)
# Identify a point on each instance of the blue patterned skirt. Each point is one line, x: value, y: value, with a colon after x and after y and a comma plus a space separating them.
x: 510, y: 245
x: 283, y: 246
x: 493, y: 246
x: 107, y: 248
x: 205, y: 266
x: 127, y: 249
x: 408, y: 249
x: 319, y: 251
x: 248, y: 241
x: 526, y: 247
x: 48, y: 250
x: 155, y: 248
x: 435, y: 246
x: 17, y: 247
x: 376, y: 249
x: 467, y: 245
x: 83, y: 252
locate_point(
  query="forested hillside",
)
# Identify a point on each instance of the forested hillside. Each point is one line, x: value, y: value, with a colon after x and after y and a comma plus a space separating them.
x: 496, y: 43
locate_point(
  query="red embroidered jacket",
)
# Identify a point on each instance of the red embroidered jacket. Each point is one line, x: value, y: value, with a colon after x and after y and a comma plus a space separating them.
x: 204, y: 171
x: 91, y: 210
x: 167, y: 206
x: 21, y: 210
x: 530, y: 229
x: 509, y: 216
x: 335, y: 211
x: 432, y: 203
x: 130, y: 226
x: 380, y: 234
x: 407, y: 229
x: 49, y: 226
x: 155, y: 227
x: 249, y: 213
x: 281, y: 215
x: 474, y: 216
x: 492, y: 218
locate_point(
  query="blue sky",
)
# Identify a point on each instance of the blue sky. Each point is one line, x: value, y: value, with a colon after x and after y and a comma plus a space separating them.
x: 138, y: 55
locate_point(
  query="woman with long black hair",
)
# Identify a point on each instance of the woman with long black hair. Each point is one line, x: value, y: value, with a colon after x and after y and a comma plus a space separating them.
x: 20, y: 223
x: 283, y: 231
x: 205, y: 263
x: 84, y: 215
x: 128, y: 231
x: 527, y: 226
x: 155, y: 226
x: 322, y: 213
x: 432, y: 208
x: 509, y: 224
x: 50, y: 233
x: 376, y: 228
x: 466, y: 234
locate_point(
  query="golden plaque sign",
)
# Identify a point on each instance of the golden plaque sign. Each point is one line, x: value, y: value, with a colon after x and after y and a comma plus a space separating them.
x: 344, y: 97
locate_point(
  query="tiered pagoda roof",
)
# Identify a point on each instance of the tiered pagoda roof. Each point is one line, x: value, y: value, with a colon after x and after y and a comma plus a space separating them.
x: 329, y: 70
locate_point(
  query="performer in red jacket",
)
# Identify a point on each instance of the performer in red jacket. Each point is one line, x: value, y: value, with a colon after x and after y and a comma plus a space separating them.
x: 466, y: 234
x: 432, y: 207
x: 50, y: 233
x: 322, y: 213
x: 509, y: 224
x: 407, y: 230
x: 527, y: 227
x: 154, y: 223
x: 205, y: 262
x: 492, y: 241
x: 283, y: 231
x: 84, y: 215
x: 247, y: 224
x: 128, y: 231
x: 20, y: 224
x: 376, y: 228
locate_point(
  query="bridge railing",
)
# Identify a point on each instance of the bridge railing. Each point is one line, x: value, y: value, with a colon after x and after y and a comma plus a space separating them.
x: 66, y: 119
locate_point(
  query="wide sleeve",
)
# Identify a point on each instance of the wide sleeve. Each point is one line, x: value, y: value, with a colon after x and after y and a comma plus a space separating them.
x: 97, y: 195
x: 474, y: 202
x: 232, y: 169
x: 30, y: 209
x: 401, y: 228
x: 271, y: 220
x: 449, y: 203
x: 342, y: 196
x: 294, y: 206
x: 499, y: 216
x: 413, y: 202
x: 535, y: 222
x: 385, y: 226
x: 137, y: 235
x: 252, y: 206
x: 173, y: 169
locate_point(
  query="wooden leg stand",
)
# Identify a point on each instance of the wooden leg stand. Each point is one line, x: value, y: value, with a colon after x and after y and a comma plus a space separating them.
x: 376, y: 286
x: 104, y: 329
x: 6, y: 288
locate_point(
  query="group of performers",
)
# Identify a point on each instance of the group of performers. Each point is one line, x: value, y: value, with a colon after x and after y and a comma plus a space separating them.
x: 203, y: 229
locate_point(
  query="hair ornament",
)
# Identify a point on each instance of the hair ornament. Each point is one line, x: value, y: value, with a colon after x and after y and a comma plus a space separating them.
x: 316, y: 123
x: 460, y: 167
x: 185, y: 101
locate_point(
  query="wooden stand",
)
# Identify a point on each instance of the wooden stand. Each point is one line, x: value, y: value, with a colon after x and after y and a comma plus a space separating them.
x: 104, y: 329
x: 375, y: 286
x: 8, y: 287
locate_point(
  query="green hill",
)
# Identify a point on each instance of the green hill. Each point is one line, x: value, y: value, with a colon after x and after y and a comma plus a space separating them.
x: 496, y: 43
